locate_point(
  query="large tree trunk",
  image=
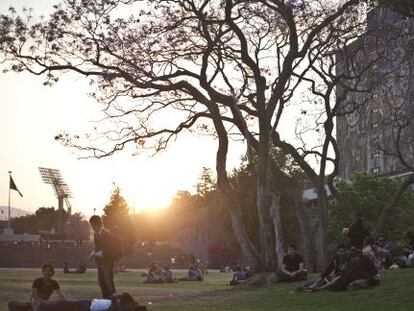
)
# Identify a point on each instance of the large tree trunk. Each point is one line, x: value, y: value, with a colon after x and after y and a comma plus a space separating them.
x: 277, y: 223
x: 306, y: 234
x: 266, y: 230
x: 386, y: 212
x: 321, y: 239
x: 264, y: 198
x: 247, y: 248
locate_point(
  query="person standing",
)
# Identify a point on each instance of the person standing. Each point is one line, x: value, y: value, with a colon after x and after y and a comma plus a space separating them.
x: 104, y: 255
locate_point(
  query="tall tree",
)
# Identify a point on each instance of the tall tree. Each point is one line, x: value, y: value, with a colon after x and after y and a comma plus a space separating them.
x: 118, y: 221
x: 230, y: 65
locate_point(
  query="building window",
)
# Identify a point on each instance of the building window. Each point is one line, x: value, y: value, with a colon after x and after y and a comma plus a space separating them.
x: 376, y: 170
x: 375, y: 125
x: 376, y: 155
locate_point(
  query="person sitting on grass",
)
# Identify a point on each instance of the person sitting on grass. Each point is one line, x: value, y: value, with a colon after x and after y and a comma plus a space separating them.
x: 370, y: 250
x: 336, y: 268
x: 357, y: 234
x: 360, y: 274
x: 193, y: 274
x: 123, y: 302
x: 249, y: 271
x: 384, y: 252
x: 167, y: 275
x: 293, y: 267
x: 154, y: 274
x: 407, y: 259
x: 42, y: 288
x: 239, y: 276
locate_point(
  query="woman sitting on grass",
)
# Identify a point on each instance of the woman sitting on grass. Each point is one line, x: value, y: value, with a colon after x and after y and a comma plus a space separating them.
x: 123, y: 302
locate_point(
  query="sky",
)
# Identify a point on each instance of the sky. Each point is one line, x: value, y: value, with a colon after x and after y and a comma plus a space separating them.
x: 32, y: 114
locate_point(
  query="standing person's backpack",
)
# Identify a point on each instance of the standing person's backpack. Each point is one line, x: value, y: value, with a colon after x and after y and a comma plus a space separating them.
x: 116, y: 248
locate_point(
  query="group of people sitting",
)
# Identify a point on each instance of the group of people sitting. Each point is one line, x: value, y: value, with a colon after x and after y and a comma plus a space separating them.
x: 43, y: 288
x: 356, y: 263
x: 156, y: 275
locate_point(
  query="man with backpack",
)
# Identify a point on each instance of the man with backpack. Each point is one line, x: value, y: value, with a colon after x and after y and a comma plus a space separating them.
x: 108, y: 249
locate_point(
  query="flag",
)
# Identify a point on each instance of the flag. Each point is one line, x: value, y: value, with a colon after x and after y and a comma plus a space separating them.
x: 13, y: 186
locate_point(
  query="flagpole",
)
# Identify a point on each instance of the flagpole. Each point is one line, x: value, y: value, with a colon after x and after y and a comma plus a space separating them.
x: 9, y: 225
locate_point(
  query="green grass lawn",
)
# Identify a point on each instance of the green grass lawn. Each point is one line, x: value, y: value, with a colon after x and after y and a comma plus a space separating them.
x: 395, y: 293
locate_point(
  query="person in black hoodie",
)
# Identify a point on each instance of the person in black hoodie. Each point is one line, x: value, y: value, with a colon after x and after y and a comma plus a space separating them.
x: 105, y: 255
x: 357, y: 234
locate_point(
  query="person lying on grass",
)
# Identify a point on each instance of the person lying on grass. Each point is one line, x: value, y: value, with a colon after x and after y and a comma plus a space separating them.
x: 293, y: 267
x: 123, y: 302
x: 336, y: 267
x: 42, y: 288
x: 239, y: 276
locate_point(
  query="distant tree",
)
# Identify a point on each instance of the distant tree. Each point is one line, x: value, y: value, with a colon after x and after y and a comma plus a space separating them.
x: 206, y: 182
x: 25, y: 224
x: 117, y: 220
x: 48, y: 218
x: 77, y: 227
x: 44, y: 219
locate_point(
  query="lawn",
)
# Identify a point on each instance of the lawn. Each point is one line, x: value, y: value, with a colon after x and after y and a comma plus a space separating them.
x: 395, y: 293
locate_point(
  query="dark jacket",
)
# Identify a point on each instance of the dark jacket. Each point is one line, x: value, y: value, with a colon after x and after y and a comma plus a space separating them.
x: 107, y: 243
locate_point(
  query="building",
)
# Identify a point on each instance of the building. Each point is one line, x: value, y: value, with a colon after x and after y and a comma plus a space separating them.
x: 367, y: 133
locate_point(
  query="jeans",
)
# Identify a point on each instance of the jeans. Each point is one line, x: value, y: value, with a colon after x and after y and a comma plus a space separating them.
x: 65, y: 305
x: 106, y: 279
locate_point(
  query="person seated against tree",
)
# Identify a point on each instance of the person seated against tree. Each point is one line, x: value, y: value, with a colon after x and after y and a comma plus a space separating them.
x: 193, y: 274
x: 384, y: 251
x: 154, y: 274
x: 336, y: 267
x: 239, y: 276
x: 167, y: 275
x: 293, y: 266
x: 407, y: 259
x: 42, y: 288
x: 123, y: 302
x: 370, y: 251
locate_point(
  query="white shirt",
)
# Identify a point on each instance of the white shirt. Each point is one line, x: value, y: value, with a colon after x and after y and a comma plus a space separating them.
x: 100, y: 304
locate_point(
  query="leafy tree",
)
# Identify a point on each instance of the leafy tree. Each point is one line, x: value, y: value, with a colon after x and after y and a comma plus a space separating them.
x: 117, y: 220
x: 206, y: 182
x: 77, y: 227
x: 368, y: 195
x: 44, y: 219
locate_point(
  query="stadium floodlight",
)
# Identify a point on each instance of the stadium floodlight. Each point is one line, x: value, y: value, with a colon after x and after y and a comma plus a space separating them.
x: 54, y: 177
